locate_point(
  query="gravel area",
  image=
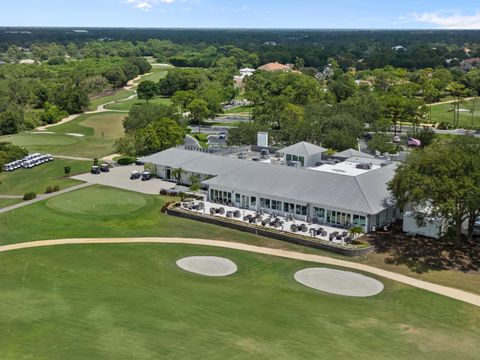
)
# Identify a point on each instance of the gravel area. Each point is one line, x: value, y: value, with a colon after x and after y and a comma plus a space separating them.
x: 339, y: 282
x: 208, y: 265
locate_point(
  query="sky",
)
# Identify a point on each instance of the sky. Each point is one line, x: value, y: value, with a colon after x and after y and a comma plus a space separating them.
x: 318, y: 14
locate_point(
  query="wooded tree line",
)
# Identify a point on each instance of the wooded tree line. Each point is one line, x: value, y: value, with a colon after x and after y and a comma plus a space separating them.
x: 332, y: 108
x: 361, y: 49
x: 44, y: 94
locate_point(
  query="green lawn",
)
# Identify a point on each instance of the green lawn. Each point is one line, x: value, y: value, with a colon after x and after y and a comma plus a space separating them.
x: 157, y: 73
x: 106, y: 212
x: 8, y: 202
x: 122, y: 94
x: 444, y: 113
x: 38, y: 178
x: 240, y: 110
x: 132, y: 302
x: 126, y: 105
x: 100, y: 132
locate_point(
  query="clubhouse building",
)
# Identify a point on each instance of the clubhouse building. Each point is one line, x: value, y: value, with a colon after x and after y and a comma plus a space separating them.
x: 299, y: 181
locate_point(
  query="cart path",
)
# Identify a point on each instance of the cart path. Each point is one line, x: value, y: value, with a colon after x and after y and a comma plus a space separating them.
x: 451, y: 101
x: 457, y: 294
x: 11, y: 196
x: 42, y: 197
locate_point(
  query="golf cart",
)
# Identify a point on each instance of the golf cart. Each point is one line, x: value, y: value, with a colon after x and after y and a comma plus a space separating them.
x: 146, y: 176
x: 104, y: 168
x: 134, y: 175
x: 95, y: 170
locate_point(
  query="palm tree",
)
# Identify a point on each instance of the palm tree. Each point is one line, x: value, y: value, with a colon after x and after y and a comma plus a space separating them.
x: 177, y: 174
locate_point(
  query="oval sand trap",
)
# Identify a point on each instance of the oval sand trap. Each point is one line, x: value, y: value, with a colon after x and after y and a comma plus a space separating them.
x: 208, y: 265
x: 75, y: 134
x: 339, y: 282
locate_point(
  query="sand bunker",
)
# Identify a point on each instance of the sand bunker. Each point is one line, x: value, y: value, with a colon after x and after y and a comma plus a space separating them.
x: 339, y: 282
x: 75, y: 134
x: 207, y: 265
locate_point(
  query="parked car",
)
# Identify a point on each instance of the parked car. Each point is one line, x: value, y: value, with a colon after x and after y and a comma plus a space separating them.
x: 95, y: 170
x: 139, y: 162
x: 146, y: 176
x: 104, y: 168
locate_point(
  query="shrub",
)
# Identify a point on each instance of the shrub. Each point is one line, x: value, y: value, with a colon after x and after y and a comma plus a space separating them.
x: 29, y: 195
x: 165, y: 206
x: 126, y: 160
x: 49, y: 190
x: 56, y: 188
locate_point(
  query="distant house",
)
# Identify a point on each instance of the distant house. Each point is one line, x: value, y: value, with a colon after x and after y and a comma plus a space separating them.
x: 276, y: 66
x: 469, y: 64
x: 239, y: 79
x: 399, y: 47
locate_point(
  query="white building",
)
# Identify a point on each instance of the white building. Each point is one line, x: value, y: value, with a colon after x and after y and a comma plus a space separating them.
x: 353, y: 196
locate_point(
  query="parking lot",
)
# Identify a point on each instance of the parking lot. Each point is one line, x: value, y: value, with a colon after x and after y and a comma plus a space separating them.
x: 119, y: 177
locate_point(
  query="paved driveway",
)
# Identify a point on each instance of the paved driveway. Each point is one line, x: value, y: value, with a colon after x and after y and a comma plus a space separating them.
x: 119, y: 177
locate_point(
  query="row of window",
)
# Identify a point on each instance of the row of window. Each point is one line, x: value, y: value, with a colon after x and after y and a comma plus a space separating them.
x: 339, y: 218
x: 291, y: 158
x: 329, y: 216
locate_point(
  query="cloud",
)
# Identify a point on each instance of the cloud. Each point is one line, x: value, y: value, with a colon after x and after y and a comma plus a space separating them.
x: 446, y: 19
x: 147, y: 5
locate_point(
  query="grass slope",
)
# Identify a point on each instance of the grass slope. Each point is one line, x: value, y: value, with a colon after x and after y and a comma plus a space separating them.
x: 122, y: 94
x: 127, y: 105
x: 38, y: 178
x: 99, y: 130
x: 8, y: 202
x: 99, y: 211
x: 132, y: 302
x: 444, y: 113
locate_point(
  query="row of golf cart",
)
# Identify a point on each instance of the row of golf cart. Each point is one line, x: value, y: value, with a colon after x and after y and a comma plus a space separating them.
x: 144, y: 175
x: 28, y: 162
x: 103, y: 168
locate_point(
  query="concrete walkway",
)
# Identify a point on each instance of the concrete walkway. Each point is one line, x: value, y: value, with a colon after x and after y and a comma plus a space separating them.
x: 438, y: 289
x: 42, y: 197
x: 11, y: 196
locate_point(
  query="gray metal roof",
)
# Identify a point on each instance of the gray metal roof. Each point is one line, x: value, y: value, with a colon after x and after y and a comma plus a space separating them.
x: 303, y: 148
x: 349, y: 153
x: 366, y: 193
x: 196, y: 161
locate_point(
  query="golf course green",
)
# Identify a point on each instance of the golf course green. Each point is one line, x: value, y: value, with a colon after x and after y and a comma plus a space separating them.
x: 89, y: 136
x: 100, y: 201
x: 133, y: 302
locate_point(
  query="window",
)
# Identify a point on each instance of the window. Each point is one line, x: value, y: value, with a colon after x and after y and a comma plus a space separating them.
x: 265, y: 203
x: 276, y: 205
x: 212, y: 194
x: 302, y: 160
x: 289, y: 157
x: 253, y: 201
x: 237, y: 198
x: 301, y: 210
x: 289, y: 208
x: 359, y: 220
x: 319, y: 212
